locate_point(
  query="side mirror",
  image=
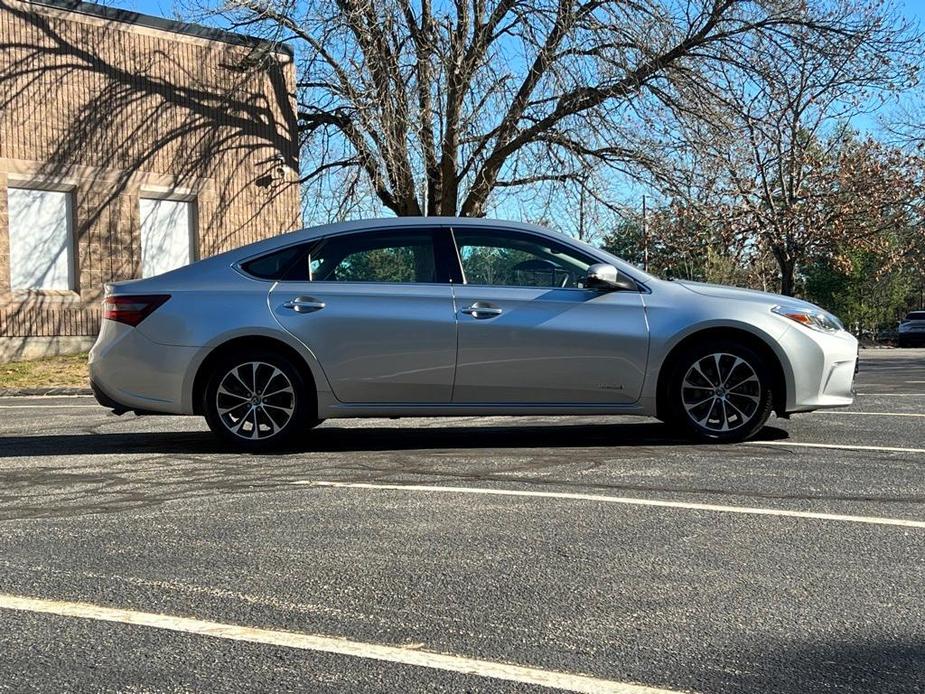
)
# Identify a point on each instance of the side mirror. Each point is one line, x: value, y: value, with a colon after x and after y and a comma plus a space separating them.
x: 605, y: 277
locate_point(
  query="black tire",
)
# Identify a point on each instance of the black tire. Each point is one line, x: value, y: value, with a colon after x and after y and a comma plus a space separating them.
x: 720, y: 392
x: 262, y: 390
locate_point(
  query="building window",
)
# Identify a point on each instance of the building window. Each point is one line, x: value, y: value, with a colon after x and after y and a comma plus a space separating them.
x: 167, y: 235
x: 41, y: 239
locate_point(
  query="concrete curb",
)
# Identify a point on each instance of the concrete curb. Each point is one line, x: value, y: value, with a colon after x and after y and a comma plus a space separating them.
x: 36, y: 392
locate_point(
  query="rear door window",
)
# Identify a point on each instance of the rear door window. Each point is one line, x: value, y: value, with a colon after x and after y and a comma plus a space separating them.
x: 403, y: 257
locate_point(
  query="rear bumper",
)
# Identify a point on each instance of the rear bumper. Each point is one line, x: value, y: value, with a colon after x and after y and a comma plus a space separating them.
x: 117, y: 408
x: 129, y: 372
x: 915, y: 338
x: 103, y: 399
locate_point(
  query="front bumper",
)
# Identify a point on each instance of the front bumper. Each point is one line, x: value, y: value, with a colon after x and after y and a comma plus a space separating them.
x: 823, y: 369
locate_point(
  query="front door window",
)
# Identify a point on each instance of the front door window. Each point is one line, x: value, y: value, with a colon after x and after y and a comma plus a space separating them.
x: 510, y: 259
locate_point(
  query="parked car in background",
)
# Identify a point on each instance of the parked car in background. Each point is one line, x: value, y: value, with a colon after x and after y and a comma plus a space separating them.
x: 449, y: 317
x: 911, y: 331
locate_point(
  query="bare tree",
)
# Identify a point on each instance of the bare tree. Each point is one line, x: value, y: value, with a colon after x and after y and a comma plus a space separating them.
x: 437, y: 107
x: 769, y: 149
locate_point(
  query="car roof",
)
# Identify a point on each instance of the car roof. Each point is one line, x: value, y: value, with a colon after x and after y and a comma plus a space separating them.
x: 384, y: 223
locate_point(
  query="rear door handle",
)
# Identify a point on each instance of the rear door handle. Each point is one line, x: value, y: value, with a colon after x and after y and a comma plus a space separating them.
x: 482, y: 309
x: 304, y: 304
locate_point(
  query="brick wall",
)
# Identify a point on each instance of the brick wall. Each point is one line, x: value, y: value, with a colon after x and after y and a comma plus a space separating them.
x: 112, y: 111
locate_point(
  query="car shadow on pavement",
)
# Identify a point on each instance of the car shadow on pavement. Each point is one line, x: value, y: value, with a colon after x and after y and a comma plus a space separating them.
x: 62, y: 475
x: 376, y: 438
x: 879, y: 663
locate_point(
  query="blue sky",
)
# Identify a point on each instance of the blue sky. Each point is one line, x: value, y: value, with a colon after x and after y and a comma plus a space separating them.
x: 159, y: 8
x: 914, y: 9
x: 167, y: 8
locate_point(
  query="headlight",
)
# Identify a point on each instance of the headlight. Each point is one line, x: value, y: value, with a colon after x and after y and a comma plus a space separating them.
x: 816, y: 319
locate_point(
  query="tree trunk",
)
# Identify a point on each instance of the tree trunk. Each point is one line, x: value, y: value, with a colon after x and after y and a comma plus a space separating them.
x: 787, y: 266
x: 787, y: 271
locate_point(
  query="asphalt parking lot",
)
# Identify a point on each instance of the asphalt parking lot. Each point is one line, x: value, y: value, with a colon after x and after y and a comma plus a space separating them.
x: 482, y: 555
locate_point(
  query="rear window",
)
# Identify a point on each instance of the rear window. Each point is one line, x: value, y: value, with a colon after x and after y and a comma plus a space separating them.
x: 274, y: 266
x: 916, y: 315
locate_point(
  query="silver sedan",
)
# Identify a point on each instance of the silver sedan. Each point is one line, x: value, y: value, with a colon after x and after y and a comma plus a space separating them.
x: 450, y: 317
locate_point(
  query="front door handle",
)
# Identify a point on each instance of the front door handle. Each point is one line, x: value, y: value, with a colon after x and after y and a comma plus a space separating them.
x: 482, y: 309
x: 304, y: 304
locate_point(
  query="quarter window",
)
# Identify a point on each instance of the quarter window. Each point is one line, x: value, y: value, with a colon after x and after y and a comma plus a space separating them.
x: 502, y: 258
x: 398, y: 257
x: 274, y: 266
x: 41, y: 239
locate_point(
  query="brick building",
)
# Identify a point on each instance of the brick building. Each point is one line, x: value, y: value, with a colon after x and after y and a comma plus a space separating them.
x: 129, y: 145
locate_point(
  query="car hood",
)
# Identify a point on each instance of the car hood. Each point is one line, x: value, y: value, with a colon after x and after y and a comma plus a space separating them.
x: 721, y: 291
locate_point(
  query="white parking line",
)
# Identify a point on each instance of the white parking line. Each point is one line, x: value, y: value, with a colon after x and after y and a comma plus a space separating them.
x: 632, y: 501
x: 48, y: 407
x: 326, y: 644
x: 52, y: 396
x: 871, y: 414
x: 892, y: 395
x: 839, y: 446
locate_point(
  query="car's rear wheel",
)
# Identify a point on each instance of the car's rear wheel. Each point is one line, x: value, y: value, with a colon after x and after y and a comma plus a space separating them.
x: 257, y: 401
x: 720, y: 392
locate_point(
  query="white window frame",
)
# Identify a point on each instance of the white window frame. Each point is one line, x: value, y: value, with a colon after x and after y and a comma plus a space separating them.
x: 176, y: 195
x: 26, y: 182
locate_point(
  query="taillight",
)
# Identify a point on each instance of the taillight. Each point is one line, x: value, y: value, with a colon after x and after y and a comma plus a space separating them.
x: 131, y: 310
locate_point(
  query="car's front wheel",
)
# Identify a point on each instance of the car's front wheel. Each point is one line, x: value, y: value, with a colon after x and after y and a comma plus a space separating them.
x: 720, y: 392
x: 257, y: 401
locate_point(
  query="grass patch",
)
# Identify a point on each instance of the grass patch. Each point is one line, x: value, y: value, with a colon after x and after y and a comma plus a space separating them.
x: 52, y: 372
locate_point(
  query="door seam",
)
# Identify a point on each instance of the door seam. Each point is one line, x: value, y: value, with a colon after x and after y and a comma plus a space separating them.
x: 456, y: 329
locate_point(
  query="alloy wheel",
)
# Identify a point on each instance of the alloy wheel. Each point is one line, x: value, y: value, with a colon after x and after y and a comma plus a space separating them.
x: 721, y: 392
x: 255, y: 400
